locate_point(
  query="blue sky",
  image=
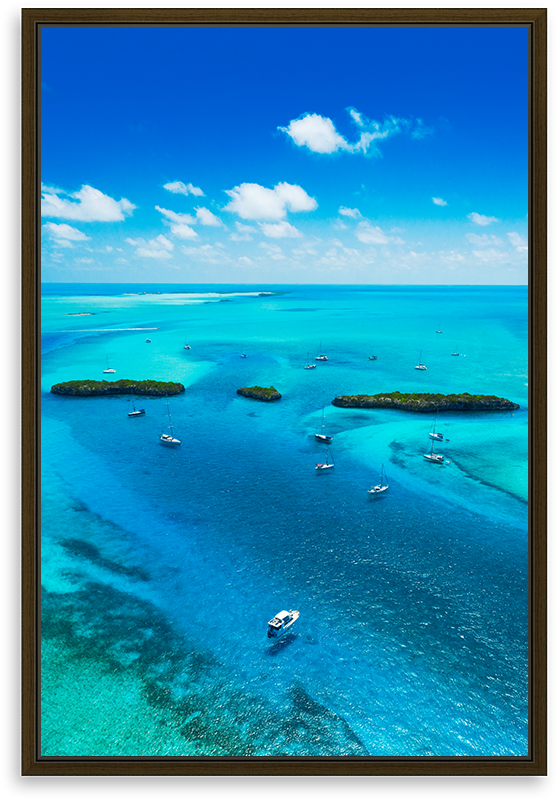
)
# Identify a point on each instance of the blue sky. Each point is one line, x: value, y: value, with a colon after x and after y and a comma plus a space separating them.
x: 285, y: 155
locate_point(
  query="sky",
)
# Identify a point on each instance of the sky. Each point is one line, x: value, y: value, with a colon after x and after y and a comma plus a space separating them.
x: 262, y: 155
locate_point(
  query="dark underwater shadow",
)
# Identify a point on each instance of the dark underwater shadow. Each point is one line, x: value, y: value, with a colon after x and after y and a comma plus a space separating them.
x: 281, y: 644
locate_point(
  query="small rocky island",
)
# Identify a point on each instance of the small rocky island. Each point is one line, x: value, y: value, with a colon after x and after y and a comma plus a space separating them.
x: 91, y: 388
x: 268, y: 394
x: 410, y: 401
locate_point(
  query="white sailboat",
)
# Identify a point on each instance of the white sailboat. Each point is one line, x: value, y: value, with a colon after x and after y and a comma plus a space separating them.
x: 108, y: 370
x: 380, y: 487
x: 455, y: 354
x: 309, y: 365
x: 434, y: 458
x: 137, y: 412
x: 433, y: 435
x: 169, y: 439
x: 321, y: 356
x: 327, y: 464
x: 420, y: 365
x: 321, y: 436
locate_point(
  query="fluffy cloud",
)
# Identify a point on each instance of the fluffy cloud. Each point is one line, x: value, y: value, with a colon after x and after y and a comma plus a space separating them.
x: 438, y: 201
x: 252, y: 201
x: 319, y: 134
x: 350, y: 212
x: 483, y: 240
x: 279, y: 230
x: 480, y: 219
x: 370, y: 234
x: 489, y: 256
x: 64, y: 231
x: 273, y: 251
x: 518, y: 242
x: 207, y: 218
x: 180, y: 219
x: 160, y: 247
x: 179, y: 223
x: 87, y: 205
x: 177, y: 187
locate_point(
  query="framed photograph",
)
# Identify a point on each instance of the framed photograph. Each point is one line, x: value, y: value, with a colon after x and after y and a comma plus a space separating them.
x: 284, y: 392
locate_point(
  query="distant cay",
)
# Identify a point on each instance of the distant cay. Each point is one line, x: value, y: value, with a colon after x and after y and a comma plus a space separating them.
x: 426, y: 402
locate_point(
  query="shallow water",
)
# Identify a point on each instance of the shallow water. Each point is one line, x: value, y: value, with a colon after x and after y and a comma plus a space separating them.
x: 160, y: 568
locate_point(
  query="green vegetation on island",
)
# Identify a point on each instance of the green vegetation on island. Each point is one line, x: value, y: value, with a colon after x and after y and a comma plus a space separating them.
x: 268, y: 393
x: 412, y: 401
x: 89, y: 388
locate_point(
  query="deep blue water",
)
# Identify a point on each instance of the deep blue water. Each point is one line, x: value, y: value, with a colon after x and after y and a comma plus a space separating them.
x: 160, y: 568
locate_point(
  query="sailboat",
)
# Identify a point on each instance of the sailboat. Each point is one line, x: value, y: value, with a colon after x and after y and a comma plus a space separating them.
x: 434, y: 458
x: 309, y: 365
x: 137, y: 412
x: 420, y: 365
x: 166, y: 438
x: 322, y: 437
x: 433, y: 435
x: 327, y: 465
x: 372, y: 358
x: 381, y: 487
x: 187, y: 346
x: 108, y: 369
x: 455, y: 354
x: 321, y: 356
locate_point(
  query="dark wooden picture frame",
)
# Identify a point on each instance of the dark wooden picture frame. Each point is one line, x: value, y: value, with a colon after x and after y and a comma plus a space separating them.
x: 32, y: 762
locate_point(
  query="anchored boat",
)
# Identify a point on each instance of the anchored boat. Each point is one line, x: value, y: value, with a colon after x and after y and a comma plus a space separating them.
x: 321, y: 436
x: 281, y: 622
x: 420, y: 365
x: 166, y: 438
x: 381, y: 487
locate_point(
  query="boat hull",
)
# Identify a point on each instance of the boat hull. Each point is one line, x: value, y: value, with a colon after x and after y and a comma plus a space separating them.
x: 275, y: 632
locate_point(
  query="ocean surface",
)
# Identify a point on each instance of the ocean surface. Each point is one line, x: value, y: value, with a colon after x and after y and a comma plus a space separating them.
x: 161, y: 567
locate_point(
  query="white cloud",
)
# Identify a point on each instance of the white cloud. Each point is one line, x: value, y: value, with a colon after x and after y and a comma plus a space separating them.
x: 483, y: 240
x: 159, y: 247
x: 245, y: 260
x: 179, y: 223
x: 438, y: 201
x: 480, y: 219
x: 180, y: 219
x: 370, y: 234
x: 488, y: 256
x: 91, y: 206
x: 183, y: 232
x: 317, y: 133
x: 177, y: 187
x: 518, y: 241
x: 85, y: 261
x: 205, y: 216
x: 279, y: 230
x: 320, y: 135
x: 64, y: 231
x: 339, y: 225
x: 451, y: 256
x: 252, y: 201
x: 350, y: 212
x: 244, y: 233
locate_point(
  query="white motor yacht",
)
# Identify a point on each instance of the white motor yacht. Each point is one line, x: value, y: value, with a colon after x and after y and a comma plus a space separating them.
x: 281, y: 622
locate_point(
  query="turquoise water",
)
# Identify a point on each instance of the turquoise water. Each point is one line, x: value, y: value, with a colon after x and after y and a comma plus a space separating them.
x: 160, y: 568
